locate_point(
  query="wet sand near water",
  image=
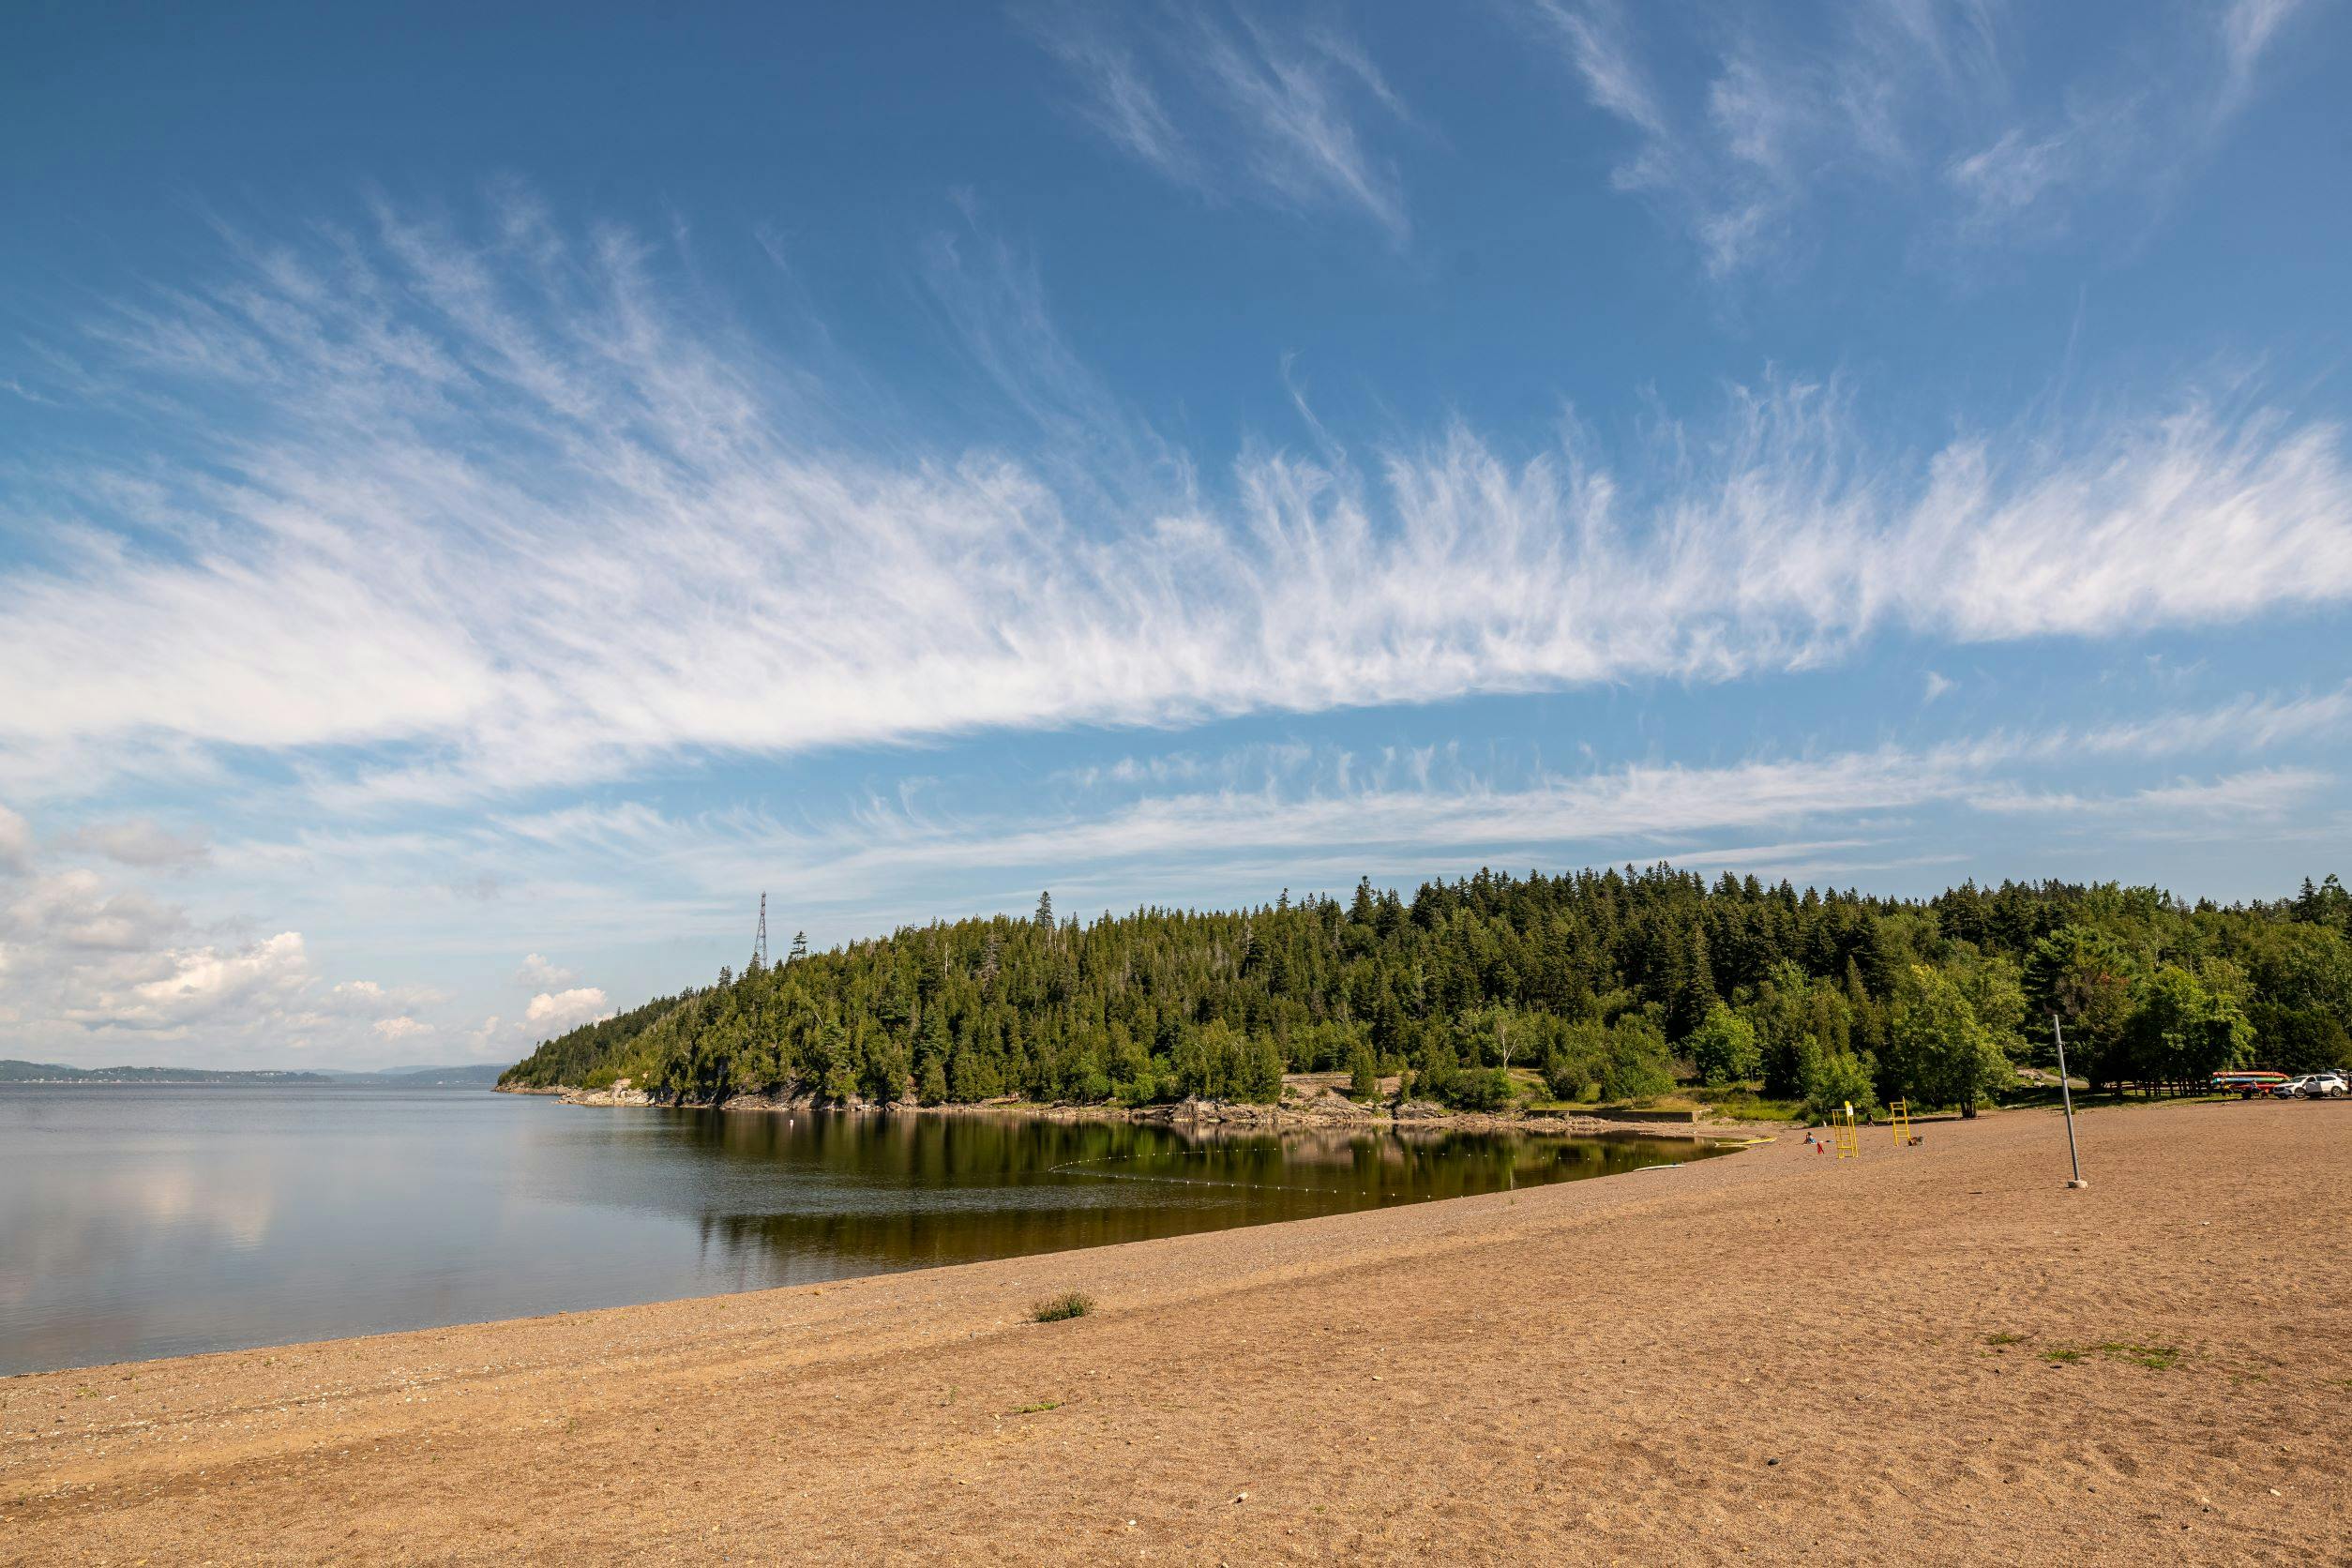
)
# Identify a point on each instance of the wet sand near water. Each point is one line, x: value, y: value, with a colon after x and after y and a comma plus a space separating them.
x: 1931, y: 1354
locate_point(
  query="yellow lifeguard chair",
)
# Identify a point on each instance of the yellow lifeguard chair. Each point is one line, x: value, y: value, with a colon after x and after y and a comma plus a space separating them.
x: 1844, y: 1132
x: 1899, y: 1113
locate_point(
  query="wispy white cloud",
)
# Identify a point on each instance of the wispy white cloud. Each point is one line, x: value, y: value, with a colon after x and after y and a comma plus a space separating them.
x: 1269, y: 110
x: 142, y: 841
x: 87, y: 967
x: 1266, y: 802
x: 16, y: 844
x: 1914, y: 99
x: 1098, y: 456
x: 540, y: 523
x: 2251, y: 723
x: 2238, y: 800
x: 1271, y: 809
x: 1116, y: 94
x: 2248, y: 30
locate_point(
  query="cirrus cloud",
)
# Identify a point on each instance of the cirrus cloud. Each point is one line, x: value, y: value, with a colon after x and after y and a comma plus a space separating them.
x: 492, y: 515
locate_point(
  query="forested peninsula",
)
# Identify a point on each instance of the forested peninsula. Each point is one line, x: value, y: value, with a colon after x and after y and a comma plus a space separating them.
x: 1590, y: 986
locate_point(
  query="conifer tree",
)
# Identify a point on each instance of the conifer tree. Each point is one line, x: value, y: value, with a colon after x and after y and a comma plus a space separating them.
x: 1589, y: 974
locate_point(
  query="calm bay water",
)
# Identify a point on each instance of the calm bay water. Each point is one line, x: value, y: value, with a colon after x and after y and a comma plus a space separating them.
x: 149, y: 1221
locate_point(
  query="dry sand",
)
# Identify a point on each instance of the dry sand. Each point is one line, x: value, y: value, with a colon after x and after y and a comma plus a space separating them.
x: 1598, y: 1371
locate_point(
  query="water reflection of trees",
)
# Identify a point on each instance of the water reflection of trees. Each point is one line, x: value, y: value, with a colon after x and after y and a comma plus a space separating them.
x: 872, y: 1192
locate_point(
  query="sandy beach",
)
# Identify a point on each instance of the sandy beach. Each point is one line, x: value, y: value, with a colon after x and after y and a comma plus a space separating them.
x: 1932, y: 1353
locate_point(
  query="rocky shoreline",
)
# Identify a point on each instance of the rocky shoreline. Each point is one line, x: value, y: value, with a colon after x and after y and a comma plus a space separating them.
x: 1322, y: 1109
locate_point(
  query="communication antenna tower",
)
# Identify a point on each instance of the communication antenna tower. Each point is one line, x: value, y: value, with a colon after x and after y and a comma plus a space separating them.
x: 759, y: 943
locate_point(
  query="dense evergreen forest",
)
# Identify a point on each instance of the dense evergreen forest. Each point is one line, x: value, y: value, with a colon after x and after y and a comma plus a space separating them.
x: 1610, y: 985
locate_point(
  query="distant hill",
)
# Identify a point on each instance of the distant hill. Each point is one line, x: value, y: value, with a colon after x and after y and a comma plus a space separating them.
x: 484, y: 1073
x: 49, y: 1072
x: 470, y: 1074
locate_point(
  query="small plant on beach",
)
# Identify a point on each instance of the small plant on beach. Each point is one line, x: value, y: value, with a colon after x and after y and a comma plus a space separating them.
x: 1998, y: 1339
x: 1053, y: 1309
x: 1039, y: 1407
x: 2156, y: 1357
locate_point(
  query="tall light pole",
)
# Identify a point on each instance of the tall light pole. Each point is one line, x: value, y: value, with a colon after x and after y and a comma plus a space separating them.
x: 2066, y: 1092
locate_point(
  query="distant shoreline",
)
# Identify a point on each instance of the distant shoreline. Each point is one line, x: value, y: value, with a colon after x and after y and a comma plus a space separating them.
x: 1323, y: 1111
x: 298, y: 1081
x: 57, y: 1075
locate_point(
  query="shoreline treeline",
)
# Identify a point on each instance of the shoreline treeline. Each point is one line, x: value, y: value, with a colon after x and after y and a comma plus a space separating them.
x: 1608, y: 983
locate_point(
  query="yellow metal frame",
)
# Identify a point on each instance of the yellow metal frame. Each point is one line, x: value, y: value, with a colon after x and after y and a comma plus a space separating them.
x: 1844, y: 1131
x: 1900, y: 1111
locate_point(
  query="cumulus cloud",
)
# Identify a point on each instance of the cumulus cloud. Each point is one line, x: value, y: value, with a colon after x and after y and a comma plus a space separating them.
x: 402, y: 1028
x: 78, y: 908
x: 89, y: 968
x: 538, y: 971
x: 204, y: 981
x: 552, y: 1012
x: 519, y: 523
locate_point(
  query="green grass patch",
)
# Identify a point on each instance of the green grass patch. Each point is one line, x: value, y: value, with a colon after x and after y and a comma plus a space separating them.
x: 1053, y: 1309
x: 2156, y: 1357
x: 1741, y: 1105
x: 2004, y: 1339
x: 1040, y: 1407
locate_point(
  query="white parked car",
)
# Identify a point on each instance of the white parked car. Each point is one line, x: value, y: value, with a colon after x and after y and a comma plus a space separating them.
x: 2315, y: 1086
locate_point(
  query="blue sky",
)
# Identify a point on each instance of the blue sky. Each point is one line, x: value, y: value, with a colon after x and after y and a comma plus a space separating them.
x: 482, y: 499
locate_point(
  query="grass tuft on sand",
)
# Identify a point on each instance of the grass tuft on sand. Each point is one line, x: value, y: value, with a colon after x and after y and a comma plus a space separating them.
x: 1053, y: 1309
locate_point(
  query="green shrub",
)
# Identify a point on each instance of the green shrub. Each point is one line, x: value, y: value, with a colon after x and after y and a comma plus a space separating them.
x: 1638, y: 1067
x: 1836, y: 1079
x: 1576, y: 1059
x: 1478, y: 1089
x: 1053, y: 1309
x: 1724, y: 1047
